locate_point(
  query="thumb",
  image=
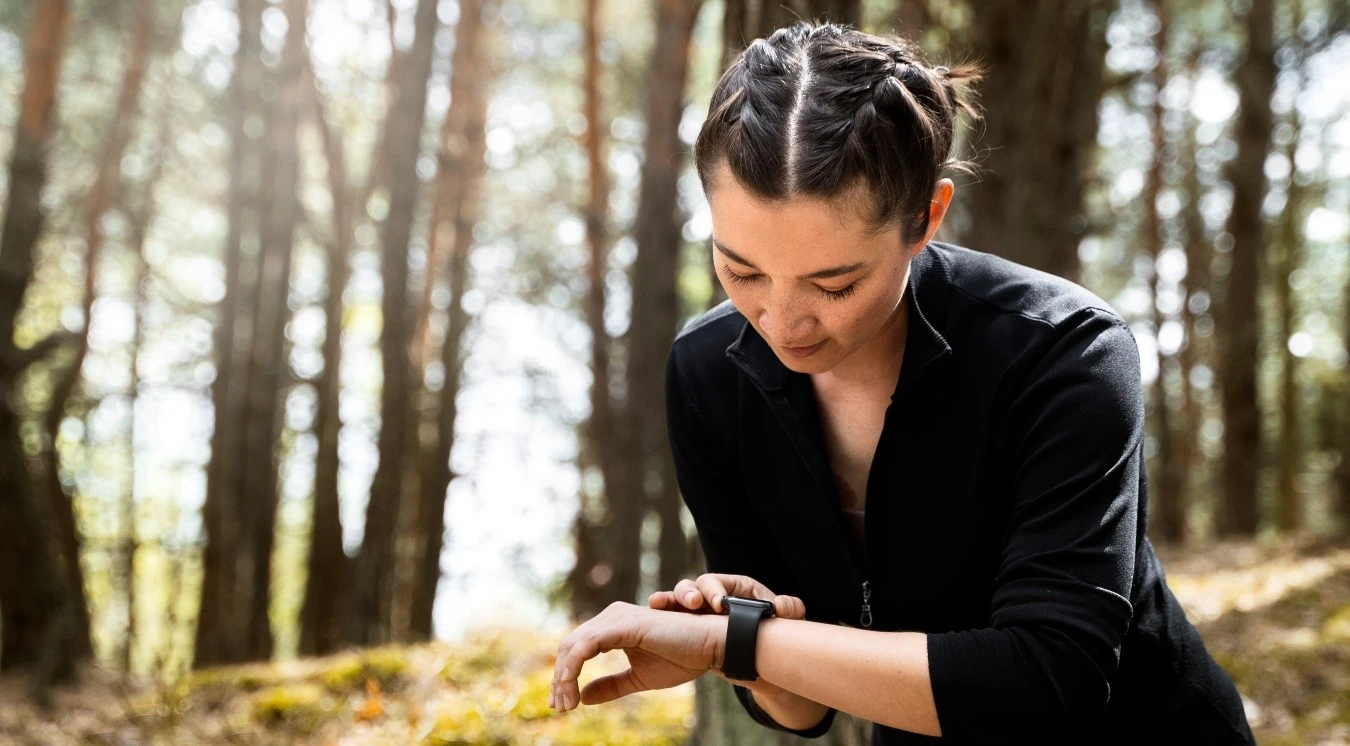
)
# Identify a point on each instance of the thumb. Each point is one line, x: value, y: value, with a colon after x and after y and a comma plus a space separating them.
x: 610, y: 687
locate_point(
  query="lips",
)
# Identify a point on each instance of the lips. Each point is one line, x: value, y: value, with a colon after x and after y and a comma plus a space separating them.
x: 805, y: 351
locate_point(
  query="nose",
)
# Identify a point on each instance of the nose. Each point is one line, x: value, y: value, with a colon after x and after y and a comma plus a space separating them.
x: 785, y: 323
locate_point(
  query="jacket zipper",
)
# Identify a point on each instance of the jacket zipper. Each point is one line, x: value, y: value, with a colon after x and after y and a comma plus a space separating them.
x: 865, y: 613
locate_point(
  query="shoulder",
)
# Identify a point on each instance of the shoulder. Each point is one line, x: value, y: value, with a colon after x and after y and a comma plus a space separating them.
x: 997, y: 286
x: 698, y: 356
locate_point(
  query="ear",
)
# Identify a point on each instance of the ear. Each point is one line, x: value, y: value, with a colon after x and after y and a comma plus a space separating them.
x: 937, y: 210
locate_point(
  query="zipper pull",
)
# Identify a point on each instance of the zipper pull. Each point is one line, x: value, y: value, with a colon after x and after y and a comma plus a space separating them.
x: 866, y: 618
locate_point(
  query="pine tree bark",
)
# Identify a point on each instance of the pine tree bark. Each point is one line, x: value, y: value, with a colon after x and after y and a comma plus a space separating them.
x: 218, y: 613
x: 1288, y: 501
x: 649, y: 482
x: 463, y: 147
x: 320, y: 623
x: 370, y: 619
x: 97, y: 201
x: 1045, y: 64
x: 590, y: 575
x: 1199, y: 255
x: 38, y: 622
x: 1169, y: 511
x: 1239, y: 325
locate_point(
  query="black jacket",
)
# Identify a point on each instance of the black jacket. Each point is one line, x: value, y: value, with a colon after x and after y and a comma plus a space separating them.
x: 1006, y: 510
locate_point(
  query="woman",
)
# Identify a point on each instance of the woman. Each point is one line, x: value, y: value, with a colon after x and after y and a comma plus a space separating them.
x: 927, y: 458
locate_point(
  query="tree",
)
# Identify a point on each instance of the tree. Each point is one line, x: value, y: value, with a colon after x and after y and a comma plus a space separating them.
x: 462, y: 167
x: 370, y: 619
x: 1045, y: 64
x: 1169, y: 522
x: 1238, y: 324
x: 320, y: 621
x: 217, y: 614
x: 39, y: 623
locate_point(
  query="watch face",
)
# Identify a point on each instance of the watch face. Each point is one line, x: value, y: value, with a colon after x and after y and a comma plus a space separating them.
x: 750, y: 602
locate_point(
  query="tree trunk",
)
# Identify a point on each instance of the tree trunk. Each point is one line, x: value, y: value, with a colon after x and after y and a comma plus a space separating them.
x: 1170, y: 511
x: 1045, y: 65
x: 138, y: 229
x: 1199, y: 255
x: 97, y: 202
x: 1288, y: 503
x: 320, y: 623
x: 217, y: 615
x: 267, y: 365
x: 1239, y: 325
x: 591, y: 575
x: 38, y: 625
x: 646, y: 481
x: 463, y: 147
x: 369, y: 621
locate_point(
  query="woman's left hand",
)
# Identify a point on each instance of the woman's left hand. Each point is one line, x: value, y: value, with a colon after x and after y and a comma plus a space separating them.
x: 664, y: 649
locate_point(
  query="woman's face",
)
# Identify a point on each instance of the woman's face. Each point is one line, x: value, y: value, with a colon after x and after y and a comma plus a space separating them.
x: 808, y: 275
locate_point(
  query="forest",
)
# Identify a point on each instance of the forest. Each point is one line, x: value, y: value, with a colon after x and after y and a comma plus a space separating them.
x: 333, y: 337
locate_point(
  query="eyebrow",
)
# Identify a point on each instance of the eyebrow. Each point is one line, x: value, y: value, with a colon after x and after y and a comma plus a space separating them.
x: 823, y: 274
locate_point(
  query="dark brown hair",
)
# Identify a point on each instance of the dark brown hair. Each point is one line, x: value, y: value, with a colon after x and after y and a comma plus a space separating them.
x: 824, y: 110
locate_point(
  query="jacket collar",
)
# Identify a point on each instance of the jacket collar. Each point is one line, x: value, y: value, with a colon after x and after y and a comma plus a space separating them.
x: 928, y: 294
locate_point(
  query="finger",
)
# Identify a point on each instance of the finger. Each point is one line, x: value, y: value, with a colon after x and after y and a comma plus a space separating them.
x: 573, y: 652
x: 611, y: 687
x: 661, y: 600
x: 688, y: 594
x: 789, y: 607
x: 715, y: 585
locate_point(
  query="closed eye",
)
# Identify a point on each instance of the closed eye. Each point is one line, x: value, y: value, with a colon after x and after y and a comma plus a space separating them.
x: 839, y: 294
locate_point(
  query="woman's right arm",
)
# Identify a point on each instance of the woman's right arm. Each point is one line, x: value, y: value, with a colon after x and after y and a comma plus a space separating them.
x: 734, y: 540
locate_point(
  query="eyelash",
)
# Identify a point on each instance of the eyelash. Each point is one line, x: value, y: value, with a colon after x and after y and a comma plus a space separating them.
x: 839, y: 294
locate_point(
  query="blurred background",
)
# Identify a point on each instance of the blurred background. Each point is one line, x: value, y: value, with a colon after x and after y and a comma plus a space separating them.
x: 326, y: 408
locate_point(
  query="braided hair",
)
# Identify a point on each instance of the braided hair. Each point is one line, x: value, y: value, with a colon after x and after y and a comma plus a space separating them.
x: 830, y: 112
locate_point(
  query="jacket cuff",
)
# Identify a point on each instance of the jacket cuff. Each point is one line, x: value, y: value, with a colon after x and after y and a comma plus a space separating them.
x: 760, y: 716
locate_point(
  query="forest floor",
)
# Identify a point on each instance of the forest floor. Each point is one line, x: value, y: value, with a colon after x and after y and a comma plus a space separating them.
x: 1275, y: 614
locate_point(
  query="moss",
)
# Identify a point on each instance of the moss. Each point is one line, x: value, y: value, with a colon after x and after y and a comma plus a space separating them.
x: 385, y: 665
x: 344, y: 674
x: 1336, y: 629
x: 299, y: 706
x: 348, y: 672
x: 466, y: 726
x: 532, y: 698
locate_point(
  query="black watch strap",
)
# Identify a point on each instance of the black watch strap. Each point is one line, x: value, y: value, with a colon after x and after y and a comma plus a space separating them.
x: 738, y: 657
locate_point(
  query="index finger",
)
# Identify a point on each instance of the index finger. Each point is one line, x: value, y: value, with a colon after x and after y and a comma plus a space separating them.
x: 597, y: 635
x: 716, y: 585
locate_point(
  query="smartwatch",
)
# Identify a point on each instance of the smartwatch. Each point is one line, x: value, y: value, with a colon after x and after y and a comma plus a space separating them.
x: 738, y: 657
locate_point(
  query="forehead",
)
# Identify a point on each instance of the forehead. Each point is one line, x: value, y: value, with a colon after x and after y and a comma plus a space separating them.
x: 799, y: 235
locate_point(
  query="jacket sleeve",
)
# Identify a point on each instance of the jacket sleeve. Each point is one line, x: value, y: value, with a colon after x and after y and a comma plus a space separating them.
x: 734, y: 539
x: 1073, y: 449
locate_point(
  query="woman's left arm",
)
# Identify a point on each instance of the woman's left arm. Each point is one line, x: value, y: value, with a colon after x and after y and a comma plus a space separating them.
x: 881, y: 677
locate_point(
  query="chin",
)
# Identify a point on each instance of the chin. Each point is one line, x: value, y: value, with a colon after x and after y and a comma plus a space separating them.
x: 817, y: 363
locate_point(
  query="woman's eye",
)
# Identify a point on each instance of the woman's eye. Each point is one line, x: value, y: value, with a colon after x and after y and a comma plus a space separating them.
x: 738, y: 279
x: 841, y: 293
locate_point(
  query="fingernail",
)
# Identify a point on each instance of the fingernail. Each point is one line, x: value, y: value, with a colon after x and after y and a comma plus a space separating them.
x: 689, y: 598
x: 717, y: 602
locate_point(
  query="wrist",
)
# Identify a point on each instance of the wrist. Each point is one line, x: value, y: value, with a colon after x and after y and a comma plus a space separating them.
x: 718, y: 640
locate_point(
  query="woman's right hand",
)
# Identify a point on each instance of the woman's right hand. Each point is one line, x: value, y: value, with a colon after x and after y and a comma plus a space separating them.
x: 704, y: 596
